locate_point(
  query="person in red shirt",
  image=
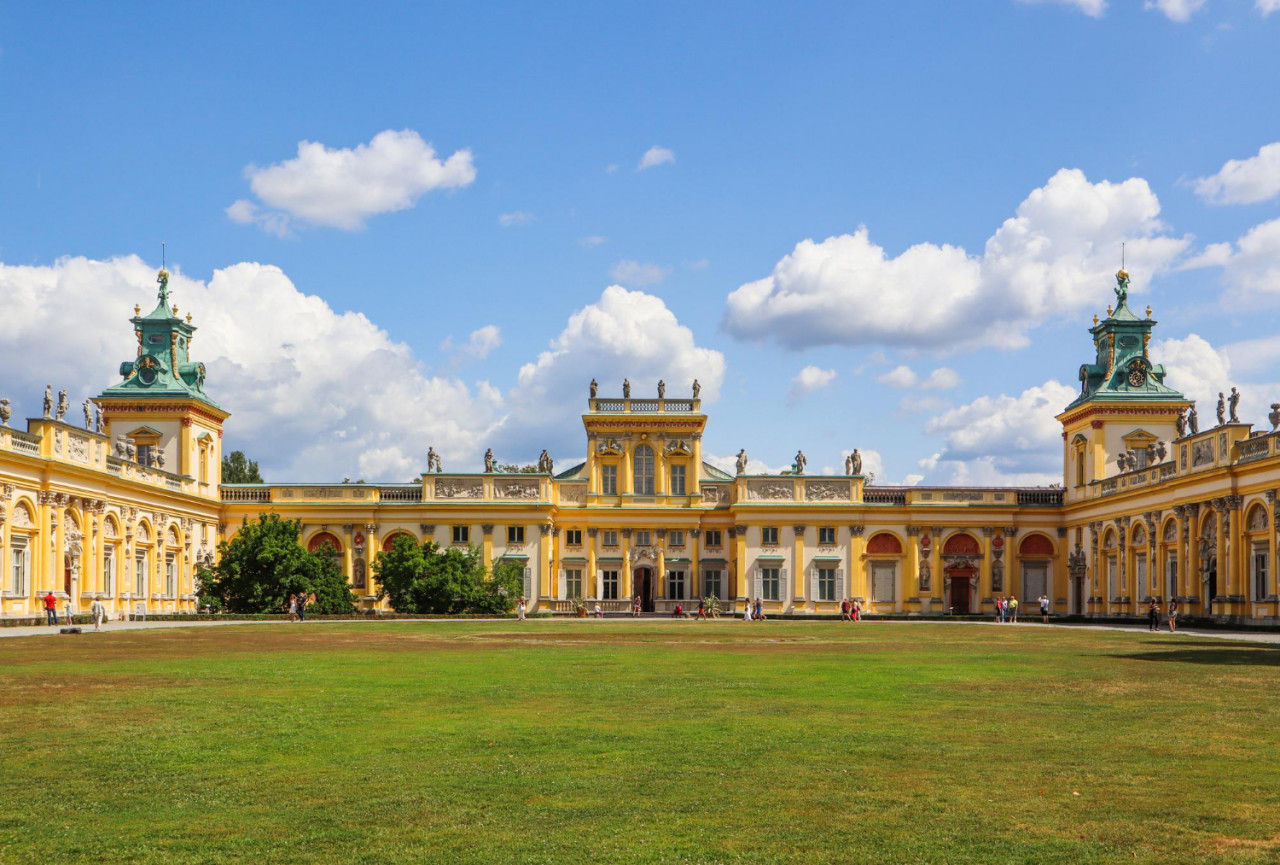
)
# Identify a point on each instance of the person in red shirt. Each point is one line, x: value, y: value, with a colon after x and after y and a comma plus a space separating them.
x: 50, y: 609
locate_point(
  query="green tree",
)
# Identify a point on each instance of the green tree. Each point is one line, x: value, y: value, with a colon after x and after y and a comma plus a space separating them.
x: 265, y: 563
x: 239, y: 469
x: 517, y: 469
x: 427, y: 579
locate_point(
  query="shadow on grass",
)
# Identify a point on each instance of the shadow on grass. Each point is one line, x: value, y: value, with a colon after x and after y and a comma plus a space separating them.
x: 1230, y: 656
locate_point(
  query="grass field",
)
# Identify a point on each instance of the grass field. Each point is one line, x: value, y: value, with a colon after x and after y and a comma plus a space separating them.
x: 576, y: 741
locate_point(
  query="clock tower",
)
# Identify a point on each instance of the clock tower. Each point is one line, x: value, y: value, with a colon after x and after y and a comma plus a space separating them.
x: 160, y: 404
x: 1124, y: 404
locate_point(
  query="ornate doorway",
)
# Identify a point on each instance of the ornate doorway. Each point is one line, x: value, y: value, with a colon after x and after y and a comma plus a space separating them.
x: 643, y: 581
x: 960, y: 581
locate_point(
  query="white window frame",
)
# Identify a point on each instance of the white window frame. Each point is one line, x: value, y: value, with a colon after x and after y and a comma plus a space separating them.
x: 609, y: 584
x: 676, y: 584
x: 678, y: 481
x: 644, y: 538
x: 643, y: 463
x: 709, y: 581
x: 460, y: 534
x: 826, y: 583
x: 675, y: 538
x: 573, y: 583
x: 609, y: 538
x: 715, y: 538
x: 609, y: 480
x: 573, y: 537
x: 141, y: 572
x: 170, y: 575
x: 109, y: 572
x: 772, y: 583
x: 1259, y: 570
x: 768, y: 536
x: 515, y: 534
x: 19, y: 565
x: 1171, y: 572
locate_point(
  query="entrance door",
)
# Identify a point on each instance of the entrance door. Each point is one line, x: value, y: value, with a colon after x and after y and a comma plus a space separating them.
x: 67, y: 567
x: 1211, y: 589
x: 959, y: 595
x: 644, y: 588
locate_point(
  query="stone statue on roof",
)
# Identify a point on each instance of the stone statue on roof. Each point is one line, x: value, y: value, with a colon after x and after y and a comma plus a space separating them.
x: 742, y: 461
x: 626, y: 388
x: 800, y: 463
x: 1122, y: 288
x: 662, y: 389
x: 488, y: 461
x: 856, y: 460
x: 1181, y: 423
x: 1233, y: 403
x: 595, y: 385
x: 1193, y: 420
x: 1222, y: 408
x: 48, y: 400
x: 63, y: 404
x: 88, y: 415
x: 433, y: 460
x: 697, y: 388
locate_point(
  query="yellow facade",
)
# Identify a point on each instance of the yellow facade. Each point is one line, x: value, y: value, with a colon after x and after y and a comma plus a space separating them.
x: 644, y: 515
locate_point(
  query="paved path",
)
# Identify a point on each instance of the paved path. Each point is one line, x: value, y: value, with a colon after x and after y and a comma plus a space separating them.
x: 1264, y: 637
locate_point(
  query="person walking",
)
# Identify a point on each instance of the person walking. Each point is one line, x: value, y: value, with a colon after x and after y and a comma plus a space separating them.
x: 845, y: 611
x: 702, y: 607
x: 1153, y: 616
x: 50, y: 609
x: 1013, y: 609
x: 599, y: 611
x: 635, y: 607
x: 1044, y: 608
x: 293, y: 608
x: 759, y: 614
x: 999, y: 609
x: 1173, y: 615
x: 67, y: 614
x: 520, y: 609
x: 746, y: 610
x: 303, y: 600
x: 98, y: 612
x: 857, y: 610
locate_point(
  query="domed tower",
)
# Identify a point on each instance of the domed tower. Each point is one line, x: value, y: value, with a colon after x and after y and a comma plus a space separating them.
x: 161, y: 405
x: 1124, y: 404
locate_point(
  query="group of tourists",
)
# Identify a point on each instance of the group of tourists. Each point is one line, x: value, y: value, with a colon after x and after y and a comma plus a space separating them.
x: 851, y: 610
x: 1007, y: 609
x: 753, y: 611
x: 1153, y: 615
x: 97, y: 611
x: 297, y: 605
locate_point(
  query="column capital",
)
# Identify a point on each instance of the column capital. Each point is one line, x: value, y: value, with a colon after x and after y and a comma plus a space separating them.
x: 626, y: 533
x: 1233, y: 503
x: 857, y: 530
x: 348, y: 528
x: 1271, y: 496
x: 1011, y: 532
x: 695, y: 533
x: 913, y: 531
x: 487, y: 528
x: 799, y: 528
x: 1062, y: 531
x: 427, y: 528
x: 547, y: 529
x: 988, y: 531
x: 592, y: 532
x: 371, y: 528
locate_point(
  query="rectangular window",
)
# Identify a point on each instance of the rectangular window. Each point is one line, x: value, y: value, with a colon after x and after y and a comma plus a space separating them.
x: 609, y: 480
x: 573, y: 537
x: 714, y: 538
x: 573, y: 583
x: 675, y: 539
x: 711, y: 586
x: 884, y: 580
x: 515, y: 534
x: 462, y: 534
x: 109, y: 572
x: 140, y: 574
x: 770, y: 584
x: 1112, y: 585
x: 644, y: 539
x: 146, y: 454
x: 1171, y: 573
x: 170, y: 577
x: 827, y: 584
x: 1140, y: 574
x: 827, y: 536
x: 609, y: 537
x: 609, y: 585
x: 675, y: 585
x: 19, y: 567
x: 677, y: 480
x: 769, y: 536
x: 1260, y: 563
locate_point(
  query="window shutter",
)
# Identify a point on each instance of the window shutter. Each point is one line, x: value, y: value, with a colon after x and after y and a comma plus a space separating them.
x: 813, y: 584
x: 528, y: 582
x: 562, y: 585
x: 759, y: 584
x: 840, y: 588
x: 782, y: 584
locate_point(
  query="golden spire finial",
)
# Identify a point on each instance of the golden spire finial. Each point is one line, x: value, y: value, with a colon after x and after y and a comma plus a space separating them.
x: 1148, y: 310
x: 1095, y: 319
x: 188, y: 318
x: 137, y: 309
x: 175, y: 310
x: 1109, y: 311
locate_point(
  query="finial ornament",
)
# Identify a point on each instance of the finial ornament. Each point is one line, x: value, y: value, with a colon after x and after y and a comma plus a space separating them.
x: 1122, y: 288
x: 1109, y: 311
x: 1148, y: 310
x: 1095, y: 319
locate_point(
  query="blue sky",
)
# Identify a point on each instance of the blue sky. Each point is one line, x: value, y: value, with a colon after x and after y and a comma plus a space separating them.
x: 339, y: 299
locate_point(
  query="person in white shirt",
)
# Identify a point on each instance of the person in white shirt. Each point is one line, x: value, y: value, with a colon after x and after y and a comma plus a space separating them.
x: 98, y: 611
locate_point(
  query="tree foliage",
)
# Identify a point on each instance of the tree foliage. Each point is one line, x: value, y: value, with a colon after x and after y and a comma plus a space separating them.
x: 265, y: 563
x: 424, y: 578
x: 239, y: 469
x: 517, y: 469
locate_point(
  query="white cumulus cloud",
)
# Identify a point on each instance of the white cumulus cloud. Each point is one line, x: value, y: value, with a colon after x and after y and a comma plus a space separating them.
x: 518, y: 217
x: 1244, y: 181
x: 478, y: 345
x: 1175, y: 10
x: 1001, y: 439
x: 1266, y: 7
x: 899, y: 376
x: 343, y: 187
x: 631, y: 272
x: 1056, y: 256
x: 808, y: 380
x: 1195, y: 368
x: 654, y: 157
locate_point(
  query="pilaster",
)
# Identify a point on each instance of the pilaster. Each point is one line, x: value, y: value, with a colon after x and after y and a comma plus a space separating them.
x: 985, y: 596
x: 800, y: 582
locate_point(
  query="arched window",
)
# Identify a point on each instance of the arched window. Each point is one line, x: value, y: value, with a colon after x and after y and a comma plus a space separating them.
x: 643, y: 471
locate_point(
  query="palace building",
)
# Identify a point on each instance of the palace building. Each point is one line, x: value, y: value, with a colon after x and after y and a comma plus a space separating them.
x: 124, y: 507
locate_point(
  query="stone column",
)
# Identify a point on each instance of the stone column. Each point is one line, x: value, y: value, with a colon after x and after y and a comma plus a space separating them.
x: 591, y: 579
x: 626, y: 476
x: 1272, y: 588
x: 985, y: 595
x: 937, y: 578
x: 59, y: 521
x: 486, y: 543
x: 348, y: 554
x: 625, y: 588
x: 1224, y: 563
x: 1013, y: 576
x: 911, y: 579
x: 5, y: 561
x: 546, y: 573
x: 695, y: 563
x: 800, y: 586
x: 1235, y: 553
x: 856, y: 582
x: 41, y: 567
x: 1180, y: 550
x: 739, y: 579
x: 1060, y: 580
x: 660, y: 545
x: 1122, y: 570
x: 695, y: 470
x: 1191, y: 585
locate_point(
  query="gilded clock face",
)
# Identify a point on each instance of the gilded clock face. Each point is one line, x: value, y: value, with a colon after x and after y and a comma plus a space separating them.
x: 1137, y: 375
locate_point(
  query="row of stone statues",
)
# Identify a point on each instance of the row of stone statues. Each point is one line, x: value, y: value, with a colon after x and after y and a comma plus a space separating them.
x: 545, y: 464
x: 1127, y: 461
x: 626, y: 388
x: 1188, y: 421
x: 91, y: 422
x: 852, y: 463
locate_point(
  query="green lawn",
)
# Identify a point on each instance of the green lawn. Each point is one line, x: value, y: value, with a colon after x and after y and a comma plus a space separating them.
x: 578, y: 741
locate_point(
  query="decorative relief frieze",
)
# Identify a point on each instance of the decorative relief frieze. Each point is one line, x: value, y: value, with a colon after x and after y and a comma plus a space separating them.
x: 459, y: 489
x: 574, y: 494
x: 78, y: 448
x: 713, y: 494
x: 770, y: 490
x: 827, y: 491
x: 515, y: 489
